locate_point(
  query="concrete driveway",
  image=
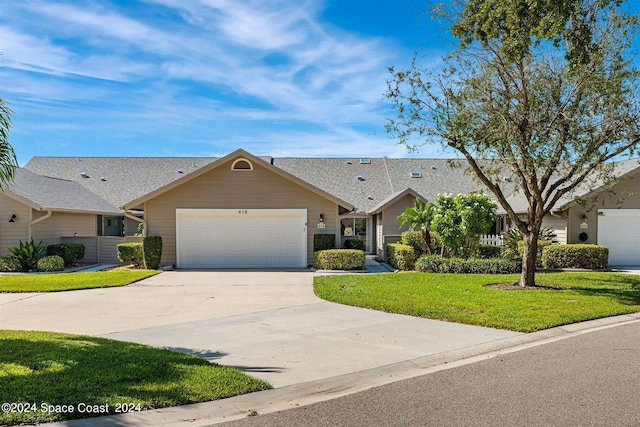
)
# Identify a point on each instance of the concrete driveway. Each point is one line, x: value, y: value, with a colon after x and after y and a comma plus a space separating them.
x: 270, y: 324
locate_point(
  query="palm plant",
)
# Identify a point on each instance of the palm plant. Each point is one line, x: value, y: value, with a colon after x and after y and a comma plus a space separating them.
x: 8, y: 160
x: 419, y: 217
x: 28, y: 253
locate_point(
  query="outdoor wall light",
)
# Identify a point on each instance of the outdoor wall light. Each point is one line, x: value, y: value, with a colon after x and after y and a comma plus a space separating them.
x: 13, y: 218
x: 585, y: 217
x: 321, y: 218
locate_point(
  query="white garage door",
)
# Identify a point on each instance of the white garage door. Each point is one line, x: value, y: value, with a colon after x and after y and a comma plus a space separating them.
x: 619, y: 230
x: 241, y: 238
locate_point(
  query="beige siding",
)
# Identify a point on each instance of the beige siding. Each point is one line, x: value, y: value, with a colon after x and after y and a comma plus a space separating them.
x: 11, y: 232
x: 626, y: 195
x: 223, y: 188
x: 60, y: 224
x: 559, y: 225
x: 388, y: 223
x: 100, y: 249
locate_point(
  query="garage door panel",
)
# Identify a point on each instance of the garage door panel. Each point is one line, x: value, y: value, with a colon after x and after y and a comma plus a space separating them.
x: 222, y: 238
x: 619, y: 230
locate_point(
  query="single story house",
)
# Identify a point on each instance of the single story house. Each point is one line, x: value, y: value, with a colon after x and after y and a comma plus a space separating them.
x: 247, y: 211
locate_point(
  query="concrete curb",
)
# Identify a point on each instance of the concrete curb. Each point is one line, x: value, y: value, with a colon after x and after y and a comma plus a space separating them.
x: 293, y: 396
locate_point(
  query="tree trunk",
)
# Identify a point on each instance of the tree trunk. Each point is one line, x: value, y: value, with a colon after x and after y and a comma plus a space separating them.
x: 426, y: 236
x: 529, y: 255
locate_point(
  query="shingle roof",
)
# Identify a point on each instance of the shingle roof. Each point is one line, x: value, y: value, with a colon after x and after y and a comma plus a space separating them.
x: 57, y: 194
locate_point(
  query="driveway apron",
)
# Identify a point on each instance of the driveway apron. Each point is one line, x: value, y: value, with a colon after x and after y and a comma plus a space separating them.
x: 269, y: 324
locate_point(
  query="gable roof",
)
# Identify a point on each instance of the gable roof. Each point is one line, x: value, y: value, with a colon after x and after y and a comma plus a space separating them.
x: 44, y: 193
x: 223, y: 160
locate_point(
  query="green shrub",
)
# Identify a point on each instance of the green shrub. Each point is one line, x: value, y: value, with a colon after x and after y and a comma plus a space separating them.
x: 339, y: 259
x: 131, y: 253
x: 28, y: 253
x: 575, y: 256
x: 513, y: 245
x: 415, y: 240
x: 10, y: 264
x: 439, y: 264
x: 400, y: 256
x: 489, y: 251
x: 151, y: 252
x: 322, y: 242
x: 354, y: 244
x: 51, y: 263
x: 69, y: 252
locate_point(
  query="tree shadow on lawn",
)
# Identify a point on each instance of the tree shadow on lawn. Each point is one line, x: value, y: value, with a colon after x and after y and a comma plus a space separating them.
x: 624, y: 296
x: 211, y: 356
x: 95, y: 371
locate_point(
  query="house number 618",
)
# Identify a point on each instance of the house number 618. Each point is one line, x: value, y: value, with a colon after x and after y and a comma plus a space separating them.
x: 243, y: 211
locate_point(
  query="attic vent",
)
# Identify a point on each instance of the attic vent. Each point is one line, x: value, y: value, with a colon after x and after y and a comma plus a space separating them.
x: 416, y: 175
x: 365, y: 161
x: 361, y: 178
x: 180, y: 171
x: 506, y: 179
x: 369, y: 197
x: 103, y: 179
x: 242, y: 165
x: 84, y: 175
x: 349, y: 162
x: 433, y: 167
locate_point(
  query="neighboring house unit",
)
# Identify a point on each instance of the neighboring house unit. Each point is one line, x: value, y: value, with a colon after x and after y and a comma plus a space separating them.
x: 242, y: 210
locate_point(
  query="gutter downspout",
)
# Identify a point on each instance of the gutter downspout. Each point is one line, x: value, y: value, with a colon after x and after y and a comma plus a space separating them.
x: 135, y: 218
x: 35, y: 221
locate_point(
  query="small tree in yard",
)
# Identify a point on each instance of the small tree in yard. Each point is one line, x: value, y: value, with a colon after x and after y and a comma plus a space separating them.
x: 461, y: 220
x: 544, y: 90
x: 419, y: 217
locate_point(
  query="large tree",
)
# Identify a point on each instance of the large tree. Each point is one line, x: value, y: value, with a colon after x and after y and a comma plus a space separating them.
x: 8, y: 160
x: 546, y: 90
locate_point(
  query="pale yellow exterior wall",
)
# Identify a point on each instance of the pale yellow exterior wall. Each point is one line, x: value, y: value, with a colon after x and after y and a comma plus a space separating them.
x: 387, y: 223
x: 60, y: 224
x: 11, y: 232
x: 222, y: 188
x: 625, y: 195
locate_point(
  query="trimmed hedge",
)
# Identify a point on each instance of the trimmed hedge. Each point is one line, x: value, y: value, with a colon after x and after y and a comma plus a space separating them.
x: 51, y: 263
x: 10, y: 264
x: 151, y: 252
x: 339, y: 259
x: 354, y: 244
x: 575, y: 256
x: 400, y: 256
x: 69, y: 252
x: 131, y: 253
x: 439, y: 264
x: 415, y: 240
x: 322, y: 242
x: 489, y: 251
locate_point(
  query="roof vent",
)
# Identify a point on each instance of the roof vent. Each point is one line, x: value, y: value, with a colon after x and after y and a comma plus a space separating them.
x: 433, y: 167
x: 369, y: 197
x: 361, y: 178
x: 506, y: 179
x: 180, y: 171
x: 416, y: 175
x: 365, y: 161
x: 103, y: 179
x: 84, y: 175
x: 349, y: 162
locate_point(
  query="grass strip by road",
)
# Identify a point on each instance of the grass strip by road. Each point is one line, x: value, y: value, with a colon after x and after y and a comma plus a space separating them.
x: 465, y: 298
x: 47, y: 376
x: 71, y: 281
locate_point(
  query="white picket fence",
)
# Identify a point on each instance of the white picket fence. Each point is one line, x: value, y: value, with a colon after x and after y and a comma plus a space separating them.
x: 491, y: 239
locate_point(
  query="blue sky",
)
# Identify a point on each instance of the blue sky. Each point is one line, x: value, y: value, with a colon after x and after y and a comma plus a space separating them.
x: 204, y: 77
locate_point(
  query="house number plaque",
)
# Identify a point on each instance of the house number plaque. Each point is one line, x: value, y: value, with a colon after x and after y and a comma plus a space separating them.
x: 243, y: 211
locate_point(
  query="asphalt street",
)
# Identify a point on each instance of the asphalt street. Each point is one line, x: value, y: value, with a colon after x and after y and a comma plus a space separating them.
x: 592, y: 379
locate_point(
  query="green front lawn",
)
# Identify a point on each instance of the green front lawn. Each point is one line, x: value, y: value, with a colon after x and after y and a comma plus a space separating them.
x: 71, y: 281
x: 464, y: 298
x: 51, y: 376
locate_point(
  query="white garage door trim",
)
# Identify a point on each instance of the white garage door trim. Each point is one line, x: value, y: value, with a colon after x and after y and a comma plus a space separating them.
x: 619, y: 230
x: 241, y: 238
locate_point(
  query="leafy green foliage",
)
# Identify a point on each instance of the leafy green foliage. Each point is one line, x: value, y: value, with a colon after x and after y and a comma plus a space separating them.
x: 419, y: 217
x: 73, y: 369
x: 131, y: 253
x: 439, y: 264
x: 8, y: 159
x: 461, y: 220
x: 152, y: 252
x: 339, y: 259
x: 575, y: 256
x: 10, y: 264
x: 323, y: 242
x: 489, y: 251
x: 28, y: 253
x: 50, y: 263
x: 354, y: 244
x: 400, y: 256
x: 69, y: 252
x: 416, y: 241
x: 512, y: 246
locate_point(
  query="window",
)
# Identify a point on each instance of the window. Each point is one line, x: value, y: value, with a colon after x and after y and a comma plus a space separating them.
x: 242, y: 165
x: 354, y: 228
